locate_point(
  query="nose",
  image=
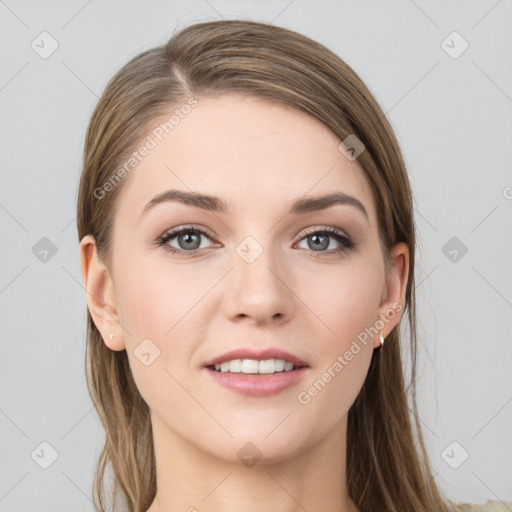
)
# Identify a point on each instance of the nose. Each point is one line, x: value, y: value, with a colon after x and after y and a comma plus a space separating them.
x: 259, y: 292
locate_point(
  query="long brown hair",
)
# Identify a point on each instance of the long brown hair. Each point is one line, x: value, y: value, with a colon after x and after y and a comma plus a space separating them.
x: 387, y: 462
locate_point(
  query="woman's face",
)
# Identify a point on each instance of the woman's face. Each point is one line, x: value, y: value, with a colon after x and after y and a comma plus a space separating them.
x: 260, y: 274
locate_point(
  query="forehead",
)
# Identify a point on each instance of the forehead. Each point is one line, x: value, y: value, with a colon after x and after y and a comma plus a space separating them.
x: 249, y: 151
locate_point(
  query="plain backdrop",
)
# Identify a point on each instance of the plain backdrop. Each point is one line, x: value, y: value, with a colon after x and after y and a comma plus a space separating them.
x: 449, y: 98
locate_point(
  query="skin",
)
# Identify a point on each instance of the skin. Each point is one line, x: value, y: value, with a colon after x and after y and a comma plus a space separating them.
x: 259, y: 157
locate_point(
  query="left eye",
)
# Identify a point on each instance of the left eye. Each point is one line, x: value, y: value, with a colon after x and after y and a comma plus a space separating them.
x: 320, y: 241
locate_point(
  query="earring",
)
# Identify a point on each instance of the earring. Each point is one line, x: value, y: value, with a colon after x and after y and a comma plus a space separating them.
x: 381, y: 339
x: 111, y: 336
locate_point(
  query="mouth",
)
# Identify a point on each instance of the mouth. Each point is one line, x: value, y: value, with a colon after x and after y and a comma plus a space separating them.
x: 256, y: 374
x: 255, y: 366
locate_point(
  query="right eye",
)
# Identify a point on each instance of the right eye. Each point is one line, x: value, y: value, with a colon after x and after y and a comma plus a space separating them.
x: 188, y: 240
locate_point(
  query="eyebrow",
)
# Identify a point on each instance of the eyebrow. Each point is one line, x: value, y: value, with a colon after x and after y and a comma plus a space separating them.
x: 218, y: 205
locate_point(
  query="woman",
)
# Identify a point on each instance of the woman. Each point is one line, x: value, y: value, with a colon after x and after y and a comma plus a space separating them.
x: 247, y: 247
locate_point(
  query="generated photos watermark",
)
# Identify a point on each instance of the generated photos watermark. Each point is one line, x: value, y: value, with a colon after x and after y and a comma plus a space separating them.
x: 151, y: 142
x: 369, y: 333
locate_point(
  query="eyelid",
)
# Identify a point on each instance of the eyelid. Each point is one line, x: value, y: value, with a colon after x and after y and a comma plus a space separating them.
x: 187, y: 227
x: 329, y: 229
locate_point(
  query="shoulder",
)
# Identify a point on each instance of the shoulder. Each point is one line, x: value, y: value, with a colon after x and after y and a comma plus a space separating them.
x: 488, y: 506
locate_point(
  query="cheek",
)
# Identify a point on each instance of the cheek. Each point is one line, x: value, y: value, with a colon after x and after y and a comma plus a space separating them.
x: 154, y: 298
x: 346, y: 300
x: 158, y: 309
x: 167, y: 305
x: 347, y: 303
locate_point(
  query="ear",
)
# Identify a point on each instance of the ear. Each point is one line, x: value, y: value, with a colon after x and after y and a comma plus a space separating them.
x: 393, y: 296
x: 100, y: 294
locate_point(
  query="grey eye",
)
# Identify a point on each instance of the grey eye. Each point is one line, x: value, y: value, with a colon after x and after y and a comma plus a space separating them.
x: 318, y: 242
x: 189, y: 240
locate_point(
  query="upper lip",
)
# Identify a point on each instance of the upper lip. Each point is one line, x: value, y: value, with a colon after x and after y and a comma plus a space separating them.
x: 259, y: 355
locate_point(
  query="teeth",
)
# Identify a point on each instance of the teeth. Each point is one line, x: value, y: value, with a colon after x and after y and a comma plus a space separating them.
x: 267, y: 366
x: 253, y: 366
x: 235, y: 366
x: 280, y: 364
x: 288, y: 366
x: 249, y: 366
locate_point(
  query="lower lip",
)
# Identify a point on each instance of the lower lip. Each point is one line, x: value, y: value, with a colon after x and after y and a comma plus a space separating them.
x: 258, y: 385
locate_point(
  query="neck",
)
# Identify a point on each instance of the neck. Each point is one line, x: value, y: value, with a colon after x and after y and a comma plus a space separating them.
x: 188, y: 479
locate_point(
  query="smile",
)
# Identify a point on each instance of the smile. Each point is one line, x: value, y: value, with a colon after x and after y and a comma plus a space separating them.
x: 253, y: 366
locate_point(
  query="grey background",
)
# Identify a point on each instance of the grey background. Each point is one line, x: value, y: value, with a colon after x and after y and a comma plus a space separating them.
x: 453, y: 120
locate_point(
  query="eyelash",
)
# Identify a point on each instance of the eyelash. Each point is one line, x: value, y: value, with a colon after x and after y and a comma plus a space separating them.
x: 345, y: 242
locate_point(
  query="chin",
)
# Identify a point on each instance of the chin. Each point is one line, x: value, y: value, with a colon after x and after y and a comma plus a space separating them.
x: 256, y: 447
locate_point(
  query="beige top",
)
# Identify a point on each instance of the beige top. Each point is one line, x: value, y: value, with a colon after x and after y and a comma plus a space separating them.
x: 488, y: 506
